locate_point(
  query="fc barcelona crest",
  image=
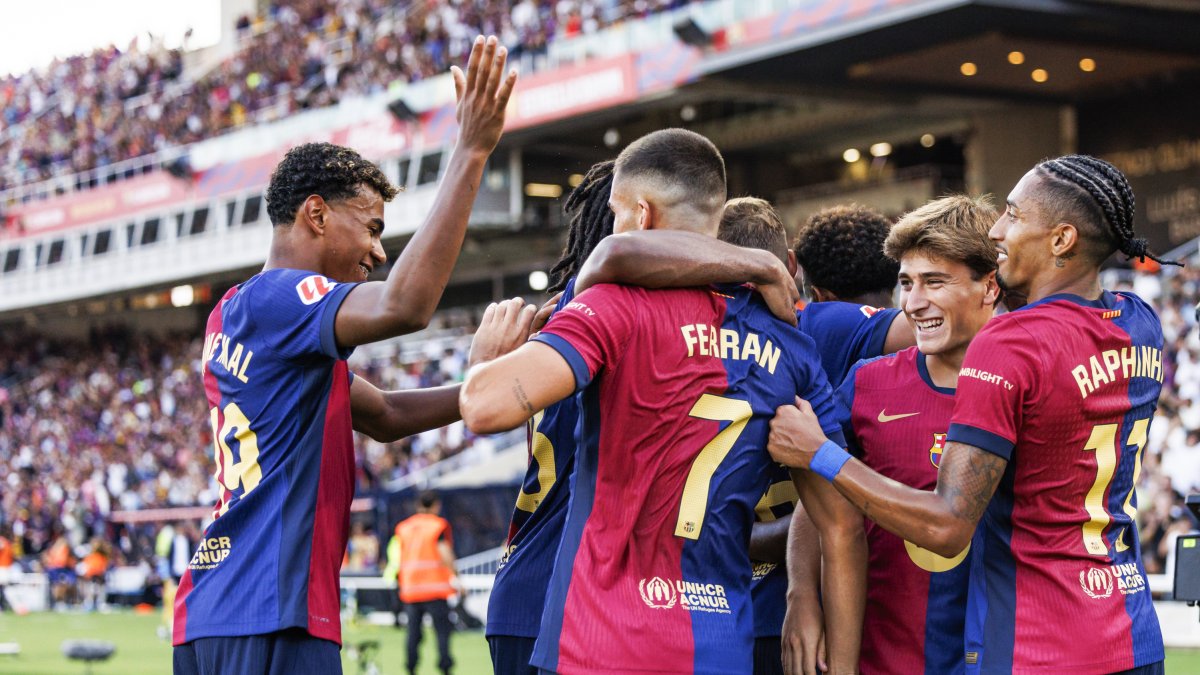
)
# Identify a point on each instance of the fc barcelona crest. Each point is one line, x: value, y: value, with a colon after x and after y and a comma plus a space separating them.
x: 935, y: 452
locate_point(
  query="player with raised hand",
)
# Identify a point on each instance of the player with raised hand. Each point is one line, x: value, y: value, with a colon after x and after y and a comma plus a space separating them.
x: 1051, y: 415
x: 675, y: 389
x: 261, y: 593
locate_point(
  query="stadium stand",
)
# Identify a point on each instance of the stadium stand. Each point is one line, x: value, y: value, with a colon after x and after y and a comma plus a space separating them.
x: 114, y: 105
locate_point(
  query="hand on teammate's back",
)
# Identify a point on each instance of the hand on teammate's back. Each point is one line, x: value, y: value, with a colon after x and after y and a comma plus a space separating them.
x: 482, y: 94
x: 504, y: 327
x: 795, y: 435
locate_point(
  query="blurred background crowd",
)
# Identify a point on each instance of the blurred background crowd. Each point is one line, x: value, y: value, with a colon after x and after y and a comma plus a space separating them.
x: 115, y: 104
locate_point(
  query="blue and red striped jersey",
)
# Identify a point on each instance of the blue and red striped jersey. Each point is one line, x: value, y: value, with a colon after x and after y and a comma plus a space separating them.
x: 279, y: 390
x: 895, y: 422
x: 845, y: 333
x: 1064, y: 389
x: 519, y: 593
x: 678, y: 389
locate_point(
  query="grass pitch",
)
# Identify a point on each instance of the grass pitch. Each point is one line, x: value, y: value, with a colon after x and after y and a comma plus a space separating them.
x: 141, y: 652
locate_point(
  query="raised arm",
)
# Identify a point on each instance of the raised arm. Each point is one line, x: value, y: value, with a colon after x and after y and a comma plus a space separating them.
x: 406, y: 300
x: 673, y: 259
x: 941, y: 521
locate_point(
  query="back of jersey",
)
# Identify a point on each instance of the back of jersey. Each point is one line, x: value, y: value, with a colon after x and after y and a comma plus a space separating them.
x: 279, y: 389
x: 1065, y: 389
x: 679, y: 388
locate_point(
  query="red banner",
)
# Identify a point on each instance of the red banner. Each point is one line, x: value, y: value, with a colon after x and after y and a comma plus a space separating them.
x: 569, y: 91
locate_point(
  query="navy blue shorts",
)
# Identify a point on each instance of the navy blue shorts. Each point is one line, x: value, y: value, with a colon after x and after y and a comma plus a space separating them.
x: 768, y: 656
x: 281, y: 653
x: 511, y: 655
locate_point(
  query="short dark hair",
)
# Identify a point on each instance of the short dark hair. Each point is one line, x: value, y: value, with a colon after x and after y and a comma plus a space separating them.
x: 751, y: 222
x: 679, y: 159
x: 841, y: 251
x: 428, y: 498
x: 954, y: 228
x: 1096, y: 197
x: 590, y: 221
x: 330, y: 171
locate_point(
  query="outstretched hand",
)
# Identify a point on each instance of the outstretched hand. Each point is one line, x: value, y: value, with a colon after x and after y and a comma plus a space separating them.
x: 795, y: 435
x: 482, y: 94
x: 504, y: 327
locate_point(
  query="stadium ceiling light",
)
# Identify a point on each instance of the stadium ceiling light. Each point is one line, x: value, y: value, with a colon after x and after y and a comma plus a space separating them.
x: 969, y: 69
x: 538, y: 280
x: 611, y: 138
x: 687, y: 113
x: 182, y: 296
x: 1016, y: 58
x: 881, y: 149
x: 851, y: 155
x: 547, y: 190
x: 1087, y: 65
x: 927, y: 140
x: 575, y: 180
x: 1039, y: 75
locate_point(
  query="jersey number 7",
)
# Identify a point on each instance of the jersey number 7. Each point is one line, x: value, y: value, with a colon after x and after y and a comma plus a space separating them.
x: 694, y: 502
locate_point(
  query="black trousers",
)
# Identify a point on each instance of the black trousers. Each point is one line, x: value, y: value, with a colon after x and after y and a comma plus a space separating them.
x: 440, y: 611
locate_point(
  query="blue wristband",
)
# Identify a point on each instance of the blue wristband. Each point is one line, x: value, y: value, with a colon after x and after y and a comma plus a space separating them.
x: 828, y: 460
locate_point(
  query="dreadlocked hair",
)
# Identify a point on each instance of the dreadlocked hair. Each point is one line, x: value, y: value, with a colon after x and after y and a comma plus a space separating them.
x: 590, y: 221
x: 1099, y: 192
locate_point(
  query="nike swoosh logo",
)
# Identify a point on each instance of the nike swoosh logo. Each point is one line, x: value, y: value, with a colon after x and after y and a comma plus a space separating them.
x: 884, y: 417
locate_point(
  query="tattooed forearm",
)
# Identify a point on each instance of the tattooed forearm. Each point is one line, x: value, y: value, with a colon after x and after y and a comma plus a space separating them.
x: 969, y: 480
x: 522, y: 399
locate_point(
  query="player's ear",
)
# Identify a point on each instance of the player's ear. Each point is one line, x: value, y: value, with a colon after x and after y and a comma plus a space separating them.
x: 312, y: 214
x: 822, y: 295
x: 646, y: 215
x: 793, y: 266
x: 1064, y: 240
x: 991, y: 294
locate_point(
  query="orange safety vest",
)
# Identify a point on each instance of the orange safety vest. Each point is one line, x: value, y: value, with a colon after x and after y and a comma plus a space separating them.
x: 6, y: 553
x: 423, y: 576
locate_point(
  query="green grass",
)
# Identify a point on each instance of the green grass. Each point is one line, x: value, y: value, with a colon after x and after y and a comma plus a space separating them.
x: 140, y: 651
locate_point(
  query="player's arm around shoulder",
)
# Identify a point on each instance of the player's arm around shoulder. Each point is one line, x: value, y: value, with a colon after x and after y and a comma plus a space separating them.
x: 677, y: 259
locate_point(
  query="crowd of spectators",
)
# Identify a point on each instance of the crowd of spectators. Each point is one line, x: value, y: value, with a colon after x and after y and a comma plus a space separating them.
x: 97, y: 109
x: 119, y: 422
x: 1171, y: 463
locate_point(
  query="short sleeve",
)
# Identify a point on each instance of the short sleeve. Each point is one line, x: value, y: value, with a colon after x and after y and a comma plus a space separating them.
x: 814, y: 388
x: 995, y: 386
x: 296, y: 312
x: 591, y: 331
x: 845, y: 407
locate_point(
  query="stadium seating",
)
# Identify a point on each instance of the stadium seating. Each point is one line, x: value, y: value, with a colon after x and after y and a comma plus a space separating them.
x: 114, y: 105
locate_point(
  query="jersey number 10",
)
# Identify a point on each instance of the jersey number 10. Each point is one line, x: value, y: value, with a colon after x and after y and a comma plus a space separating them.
x: 244, y: 472
x: 1104, y: 442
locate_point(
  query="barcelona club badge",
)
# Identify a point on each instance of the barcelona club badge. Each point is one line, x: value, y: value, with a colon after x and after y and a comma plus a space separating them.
x: 935, y: 452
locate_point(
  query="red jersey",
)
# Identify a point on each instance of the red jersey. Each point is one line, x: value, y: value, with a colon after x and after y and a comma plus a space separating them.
x: 1064, y: 389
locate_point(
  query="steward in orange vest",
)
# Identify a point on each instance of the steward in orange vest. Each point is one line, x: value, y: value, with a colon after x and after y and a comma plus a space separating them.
x: 426, y: 578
